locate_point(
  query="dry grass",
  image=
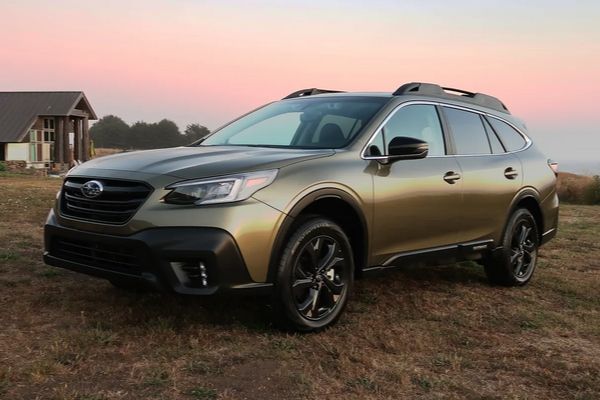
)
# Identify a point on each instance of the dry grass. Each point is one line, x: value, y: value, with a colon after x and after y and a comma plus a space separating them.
x: 416, y: 333
x: 572, y: 187
x: 106, y: 151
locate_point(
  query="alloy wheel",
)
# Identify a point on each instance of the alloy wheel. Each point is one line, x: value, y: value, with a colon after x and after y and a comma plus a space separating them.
x: 523, y: 249
x: 319, y: 278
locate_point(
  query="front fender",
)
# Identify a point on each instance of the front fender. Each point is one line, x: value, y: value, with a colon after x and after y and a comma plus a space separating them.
x: 304, y: 200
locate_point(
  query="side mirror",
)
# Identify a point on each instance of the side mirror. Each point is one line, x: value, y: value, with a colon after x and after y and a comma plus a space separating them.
x: 407, y: 148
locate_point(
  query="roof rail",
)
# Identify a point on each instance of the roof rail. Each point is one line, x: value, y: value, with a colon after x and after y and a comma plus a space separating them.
x: 309, y: 92
x: 431, y: 89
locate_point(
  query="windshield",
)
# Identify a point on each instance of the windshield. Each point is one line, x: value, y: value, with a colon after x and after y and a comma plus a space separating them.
x: 320, y: 123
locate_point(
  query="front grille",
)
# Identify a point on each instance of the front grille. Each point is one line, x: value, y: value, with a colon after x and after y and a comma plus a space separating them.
x: 113, y: 257
x: 116, y: 204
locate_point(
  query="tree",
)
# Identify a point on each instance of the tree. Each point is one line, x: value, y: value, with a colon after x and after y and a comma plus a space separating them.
x: 110, y: 131
x: 194, y: 132
x: 145, y: 135
x: 140, y: 136
x: 167, y: 134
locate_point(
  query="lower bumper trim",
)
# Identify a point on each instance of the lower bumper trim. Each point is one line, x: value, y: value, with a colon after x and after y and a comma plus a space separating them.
x: 147, y: 257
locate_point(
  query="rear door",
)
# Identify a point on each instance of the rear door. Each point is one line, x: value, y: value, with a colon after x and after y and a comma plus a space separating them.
x: 416, y: 202
x: 491, y: 176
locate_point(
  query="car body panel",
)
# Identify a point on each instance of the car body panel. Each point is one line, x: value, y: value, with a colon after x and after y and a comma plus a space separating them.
x: 486, y: 194
x: 538, y: 176
x: 250, y: 222
x: 203, y: 162
x: 415, y: 208
x: 344, y: 172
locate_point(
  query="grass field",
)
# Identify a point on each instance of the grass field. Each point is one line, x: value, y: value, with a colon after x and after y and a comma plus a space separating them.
x: 428, y: 333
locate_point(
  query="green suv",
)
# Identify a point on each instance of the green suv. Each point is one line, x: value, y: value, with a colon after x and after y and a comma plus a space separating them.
x: 303, y: 195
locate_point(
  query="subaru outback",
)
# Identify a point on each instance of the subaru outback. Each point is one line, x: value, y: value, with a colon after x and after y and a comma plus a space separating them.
x: 302, y: 196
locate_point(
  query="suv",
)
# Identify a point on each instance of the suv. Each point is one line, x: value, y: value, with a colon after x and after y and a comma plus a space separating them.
x: 303, y: 195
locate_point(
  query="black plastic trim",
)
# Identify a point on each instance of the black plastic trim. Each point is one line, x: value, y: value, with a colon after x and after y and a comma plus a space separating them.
x: 135, y: 187
x: 302, y: 204
x: 547, y: 236
x: 433, y: 90
x: 524, y: 193
x: 436, y: 255
x: 154, y: 249
x: 309, y: 92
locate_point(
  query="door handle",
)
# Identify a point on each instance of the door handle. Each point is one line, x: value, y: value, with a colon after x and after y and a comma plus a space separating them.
x: 451, y: 177
x: 510, y: 173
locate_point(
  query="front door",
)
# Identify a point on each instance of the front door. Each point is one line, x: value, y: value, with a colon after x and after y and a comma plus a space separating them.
x: 416, y: 202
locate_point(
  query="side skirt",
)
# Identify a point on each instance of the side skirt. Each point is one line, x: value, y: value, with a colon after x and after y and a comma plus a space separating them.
x: 435, y: 256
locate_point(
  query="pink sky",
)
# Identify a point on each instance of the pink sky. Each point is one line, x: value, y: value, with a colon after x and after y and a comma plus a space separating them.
x: 208, y: 61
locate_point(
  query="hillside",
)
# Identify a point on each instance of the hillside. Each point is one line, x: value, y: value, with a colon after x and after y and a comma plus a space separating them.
x: 572, y: 187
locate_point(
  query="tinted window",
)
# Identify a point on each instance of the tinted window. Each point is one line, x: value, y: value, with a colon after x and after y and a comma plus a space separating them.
x: 417, y: 121
x: 511, y: 139
x: 468, y: 132
x: 278, y: 130
x: 347, y: 125
x: 376, y: 147
x: 494, y: 142
x: 311, y: 122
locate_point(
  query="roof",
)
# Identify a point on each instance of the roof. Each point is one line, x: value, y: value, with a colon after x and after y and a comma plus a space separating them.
x: 334, y: 93
x: 417, y: 89
x: 433, y: 90
x: 19, y: 110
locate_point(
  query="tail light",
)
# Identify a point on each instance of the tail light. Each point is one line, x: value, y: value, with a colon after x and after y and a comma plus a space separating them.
x: 553, y: 166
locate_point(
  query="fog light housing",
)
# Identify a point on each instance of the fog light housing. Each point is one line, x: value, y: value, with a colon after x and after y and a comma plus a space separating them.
x: 191, y: 273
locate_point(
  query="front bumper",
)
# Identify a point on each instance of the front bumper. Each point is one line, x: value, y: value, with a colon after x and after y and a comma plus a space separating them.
x: 160, y: 258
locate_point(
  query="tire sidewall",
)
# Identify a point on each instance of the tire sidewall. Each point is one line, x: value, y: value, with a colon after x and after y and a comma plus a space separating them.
x: 284, y: 297
x: 518, y: 216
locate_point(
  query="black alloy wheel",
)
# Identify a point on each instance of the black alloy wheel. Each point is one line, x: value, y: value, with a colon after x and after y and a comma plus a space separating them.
x: 523, y: 252
x: 514, y: 263
x: 315, y: 276
x: 319, y: 277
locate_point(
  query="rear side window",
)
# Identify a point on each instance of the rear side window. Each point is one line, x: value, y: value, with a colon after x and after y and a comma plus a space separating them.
x: 494, y: 141
x: 468, y: 132
x: 511, y: 139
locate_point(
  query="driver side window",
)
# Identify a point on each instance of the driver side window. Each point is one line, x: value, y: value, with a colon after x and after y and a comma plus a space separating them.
x: 420, y: 121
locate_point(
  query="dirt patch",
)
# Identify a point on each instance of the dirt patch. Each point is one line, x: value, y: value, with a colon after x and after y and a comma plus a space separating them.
x: 258, y: 379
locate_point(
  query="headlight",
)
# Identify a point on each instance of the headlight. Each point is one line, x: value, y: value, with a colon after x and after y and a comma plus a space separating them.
x: 225, y: 189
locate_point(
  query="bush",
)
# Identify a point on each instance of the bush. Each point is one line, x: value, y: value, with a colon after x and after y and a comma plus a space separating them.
x: 571, y: 187
x: 591, y: 194
x: 2, y: 166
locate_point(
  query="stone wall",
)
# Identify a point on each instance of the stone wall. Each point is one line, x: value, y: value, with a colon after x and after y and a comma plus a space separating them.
x: 20, y: 167
x: 16, y: 166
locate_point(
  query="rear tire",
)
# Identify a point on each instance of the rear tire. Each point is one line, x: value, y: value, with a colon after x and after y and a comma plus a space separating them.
x: 514, y: 264
x: 314, y: 277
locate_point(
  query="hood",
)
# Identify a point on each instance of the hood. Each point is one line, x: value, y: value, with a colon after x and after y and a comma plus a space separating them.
x: 204, y: 161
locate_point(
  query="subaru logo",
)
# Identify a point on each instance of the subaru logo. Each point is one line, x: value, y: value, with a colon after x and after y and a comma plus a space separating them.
x: 92, y: 189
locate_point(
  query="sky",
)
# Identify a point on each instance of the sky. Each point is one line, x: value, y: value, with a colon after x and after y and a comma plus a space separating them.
x: 209, y: 61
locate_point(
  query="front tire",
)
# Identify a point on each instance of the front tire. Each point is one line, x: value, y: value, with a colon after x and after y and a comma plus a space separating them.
x: 314, y: 278
x: 515, y: 262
